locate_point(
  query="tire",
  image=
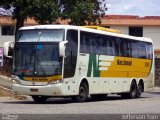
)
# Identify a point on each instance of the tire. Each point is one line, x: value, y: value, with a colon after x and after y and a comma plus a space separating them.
x: 83, y: 93
x: 139, y: 90
x: 133, y: 90
x: 40, y: 99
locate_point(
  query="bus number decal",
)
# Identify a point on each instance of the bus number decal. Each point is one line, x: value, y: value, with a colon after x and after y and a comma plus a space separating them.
x: 146, y: 64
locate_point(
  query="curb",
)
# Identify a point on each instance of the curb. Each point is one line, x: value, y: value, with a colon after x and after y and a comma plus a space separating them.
x: 19, y: 97
x: 6, y: 89
x: 5, y: 77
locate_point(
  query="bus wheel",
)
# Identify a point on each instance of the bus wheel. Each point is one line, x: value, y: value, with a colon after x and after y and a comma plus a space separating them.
x: 83, y: 93
x: 40, y: 99
x: 139, y: 90
x: 133, y: 90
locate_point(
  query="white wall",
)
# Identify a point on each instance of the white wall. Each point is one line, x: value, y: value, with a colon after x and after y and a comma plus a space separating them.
x: 153, y: 32
x: 123, y: 29
x: 5, y: 38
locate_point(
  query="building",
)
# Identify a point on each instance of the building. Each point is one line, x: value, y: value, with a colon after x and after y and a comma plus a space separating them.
x: 148, y: 26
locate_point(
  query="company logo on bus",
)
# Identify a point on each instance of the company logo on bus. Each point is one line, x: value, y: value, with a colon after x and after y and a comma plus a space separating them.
x: 124, y: 62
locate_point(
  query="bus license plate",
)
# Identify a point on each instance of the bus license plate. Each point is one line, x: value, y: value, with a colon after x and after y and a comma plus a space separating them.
x: 33, y: 90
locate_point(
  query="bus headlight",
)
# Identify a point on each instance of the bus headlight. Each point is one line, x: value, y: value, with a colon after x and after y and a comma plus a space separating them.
x: 15, y: 81
x: 54, y: 81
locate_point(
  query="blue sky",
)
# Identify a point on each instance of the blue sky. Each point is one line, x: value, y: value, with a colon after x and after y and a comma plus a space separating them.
x: 134, y: 7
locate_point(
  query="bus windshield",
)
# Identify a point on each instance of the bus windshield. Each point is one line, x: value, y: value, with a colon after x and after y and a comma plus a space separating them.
x: 40, y: 35
x: 37, y: 59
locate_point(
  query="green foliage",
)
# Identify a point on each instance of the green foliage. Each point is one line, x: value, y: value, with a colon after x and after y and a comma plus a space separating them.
x: 43, y: 11
x: 79, y: 12
x: 82, y: 12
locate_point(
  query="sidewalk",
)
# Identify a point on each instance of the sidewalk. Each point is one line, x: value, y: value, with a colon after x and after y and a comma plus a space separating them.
x: 5, y: 82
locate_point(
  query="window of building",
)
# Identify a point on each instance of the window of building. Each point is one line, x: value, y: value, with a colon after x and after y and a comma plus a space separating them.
x: 136, y: 31
x: 7, y: 30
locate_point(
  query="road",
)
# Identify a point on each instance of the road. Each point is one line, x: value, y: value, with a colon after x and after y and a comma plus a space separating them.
x: 60, y: 108
x: 148, y: 104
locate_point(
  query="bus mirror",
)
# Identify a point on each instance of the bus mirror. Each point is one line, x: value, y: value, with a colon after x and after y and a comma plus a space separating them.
x: 62, y: 47
x: 8, y: 49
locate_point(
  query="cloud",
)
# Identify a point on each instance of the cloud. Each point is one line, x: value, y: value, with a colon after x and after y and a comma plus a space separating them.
x: 134, y: 7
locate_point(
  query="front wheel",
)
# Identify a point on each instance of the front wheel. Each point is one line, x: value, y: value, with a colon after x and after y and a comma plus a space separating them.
x: 40, y: 99
x: 83, y: 93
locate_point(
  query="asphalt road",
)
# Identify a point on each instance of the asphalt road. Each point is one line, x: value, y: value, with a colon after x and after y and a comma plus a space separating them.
x: 148, y: 104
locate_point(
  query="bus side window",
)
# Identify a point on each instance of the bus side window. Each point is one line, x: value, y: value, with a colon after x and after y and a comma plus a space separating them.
x: 83, y: 45
x: 149, y: 50
x: 126, y: 47
x: 71, y: 53
x: 100, y: 44
x: 111, y: 46
x: 118, y: 47
x: 85, y: 42
x: 142, y: 49
x: 105, y: 45
x: 134, y: 52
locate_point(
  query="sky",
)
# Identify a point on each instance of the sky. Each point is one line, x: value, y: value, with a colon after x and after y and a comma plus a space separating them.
x: 133, y: 7
x: 126, y: 7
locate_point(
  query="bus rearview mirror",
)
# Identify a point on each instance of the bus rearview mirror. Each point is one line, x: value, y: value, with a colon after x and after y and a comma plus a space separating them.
x: 62, y: 47
x: 8, y: 49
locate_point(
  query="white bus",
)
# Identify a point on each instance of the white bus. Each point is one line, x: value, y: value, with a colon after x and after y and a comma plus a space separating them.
x: 77, y: 62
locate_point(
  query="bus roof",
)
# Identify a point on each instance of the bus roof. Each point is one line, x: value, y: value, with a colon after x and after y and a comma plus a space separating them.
x: 87, y: 30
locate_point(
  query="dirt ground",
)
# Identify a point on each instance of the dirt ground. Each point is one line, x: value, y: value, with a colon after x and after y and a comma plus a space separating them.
x: 5, y: 93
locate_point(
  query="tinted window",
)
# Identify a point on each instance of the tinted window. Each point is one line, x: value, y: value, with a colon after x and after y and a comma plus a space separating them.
x: 142, y: 49
x: 98, y: 44
x: 134, y: 46
x: 71, y: 53
x: 149, y: 51
x: 114, y: 46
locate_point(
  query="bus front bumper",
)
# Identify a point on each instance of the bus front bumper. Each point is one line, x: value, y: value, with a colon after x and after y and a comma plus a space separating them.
x: 47, y: 90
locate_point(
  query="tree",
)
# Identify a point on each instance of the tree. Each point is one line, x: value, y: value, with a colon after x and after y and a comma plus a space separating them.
x: 43, y: 11
x: 83, y: 12
x: 79, y: 12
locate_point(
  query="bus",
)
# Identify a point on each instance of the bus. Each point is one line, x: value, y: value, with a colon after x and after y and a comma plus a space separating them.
x: 80, y: 62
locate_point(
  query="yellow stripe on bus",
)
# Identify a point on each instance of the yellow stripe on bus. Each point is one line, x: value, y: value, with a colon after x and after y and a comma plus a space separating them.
x: 127, y: 67
x: 43, y: 79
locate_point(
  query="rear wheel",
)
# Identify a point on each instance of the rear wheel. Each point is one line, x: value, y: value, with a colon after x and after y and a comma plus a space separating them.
x: 133, y: 90
x: 83, y: 93
x: 40, y: 99
x: 139, y: 90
